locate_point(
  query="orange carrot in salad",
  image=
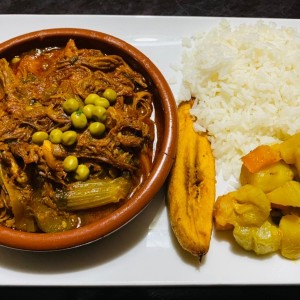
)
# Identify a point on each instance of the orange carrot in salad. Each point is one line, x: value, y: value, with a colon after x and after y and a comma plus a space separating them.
x: 260, y: 157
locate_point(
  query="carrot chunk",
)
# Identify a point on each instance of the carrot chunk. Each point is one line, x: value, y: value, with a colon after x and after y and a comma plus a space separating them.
x: 260, y: 157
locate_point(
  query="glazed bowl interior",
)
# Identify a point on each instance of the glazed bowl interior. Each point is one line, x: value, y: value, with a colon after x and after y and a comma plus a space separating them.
x: 165, y: 116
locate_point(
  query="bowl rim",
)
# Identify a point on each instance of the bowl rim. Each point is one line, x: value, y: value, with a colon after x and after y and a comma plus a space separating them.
x: 165, y: 158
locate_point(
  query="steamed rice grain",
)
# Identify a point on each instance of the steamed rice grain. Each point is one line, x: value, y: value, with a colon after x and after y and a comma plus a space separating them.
x: 246, y: 82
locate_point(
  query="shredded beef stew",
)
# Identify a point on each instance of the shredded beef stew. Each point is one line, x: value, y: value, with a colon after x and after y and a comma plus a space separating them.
x: 64, y: 161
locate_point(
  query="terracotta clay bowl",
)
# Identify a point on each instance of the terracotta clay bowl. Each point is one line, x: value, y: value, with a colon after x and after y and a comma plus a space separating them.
x: 165, y: 112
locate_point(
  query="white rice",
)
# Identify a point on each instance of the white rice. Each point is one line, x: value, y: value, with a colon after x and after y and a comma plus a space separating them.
x: 246, y: 81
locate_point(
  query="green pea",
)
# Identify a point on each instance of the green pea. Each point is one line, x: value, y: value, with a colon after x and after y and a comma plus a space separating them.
x: 90, y: 99
x: 88, y: 110
x: 39, y: 136
x: 55, y: 136
x: 82, y: 172
x: 70, y: 163
x: 70, y: 105
x: 78, y: 119
x: 102, y: 102
x: 68, y: 137
x: 16, y: 59
x: 99, y: 113
x: 96, y: 129
x: 110, y: 94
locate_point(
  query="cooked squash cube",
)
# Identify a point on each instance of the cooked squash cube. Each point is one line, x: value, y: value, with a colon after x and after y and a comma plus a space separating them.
x: 248, y: 206
x: 297, y: 161
x: 290, y: 243
x: 268, y: 178
x: 262, y: 240
x: 251, y: 206
x: 287, y: 195
x: 288, y: 148
x: 224, y: 218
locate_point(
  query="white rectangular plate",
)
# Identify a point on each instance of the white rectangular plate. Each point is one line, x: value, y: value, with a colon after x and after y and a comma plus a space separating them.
x: 144, y: 252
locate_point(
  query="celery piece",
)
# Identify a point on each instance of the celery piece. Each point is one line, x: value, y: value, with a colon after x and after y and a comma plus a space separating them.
x: 94, y: 193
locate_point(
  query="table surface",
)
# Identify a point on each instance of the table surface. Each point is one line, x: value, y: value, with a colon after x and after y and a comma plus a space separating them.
x: 289, y: 9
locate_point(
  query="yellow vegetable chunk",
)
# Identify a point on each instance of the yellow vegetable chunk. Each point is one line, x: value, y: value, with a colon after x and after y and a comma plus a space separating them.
x: 268, y: 178
x: 287, y: 195
x: 290, y: 244
x: 288, y: 148
x: 224, y: 217
x: 262, y: 240
x: 251, y: 207
x: 48, y: 154
x: 297, y: 161
x: 248, y: 206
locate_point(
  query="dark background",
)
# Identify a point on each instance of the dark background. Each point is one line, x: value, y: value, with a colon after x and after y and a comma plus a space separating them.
x: 227, y: 8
